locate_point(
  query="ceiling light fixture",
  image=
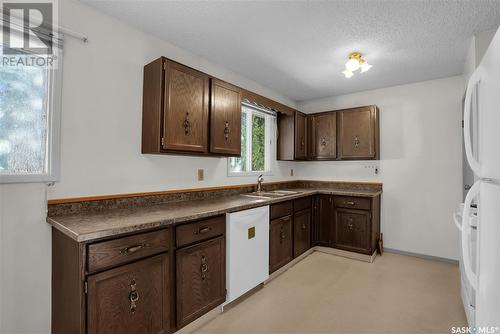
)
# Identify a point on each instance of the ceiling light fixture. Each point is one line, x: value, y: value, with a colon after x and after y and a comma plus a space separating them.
x: 355, y: 62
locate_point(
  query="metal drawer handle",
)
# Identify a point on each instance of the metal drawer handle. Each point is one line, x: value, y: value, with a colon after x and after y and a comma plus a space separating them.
x: 304, y: 226
x: 203, y: 267
x: 203, y: 230
x: 356, y: 141
x: 132, y: 249
x: 133, y: 296
x: 226, y: 131
x: 350, y: 203
x: 186, y: 124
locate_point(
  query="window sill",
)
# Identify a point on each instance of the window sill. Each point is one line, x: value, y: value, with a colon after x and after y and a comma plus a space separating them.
x: 39, y: 178
x: 243, y: 174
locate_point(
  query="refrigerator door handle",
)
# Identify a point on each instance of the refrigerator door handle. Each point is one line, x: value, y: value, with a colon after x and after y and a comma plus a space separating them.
x: 458, y: 221
x: 473, y: 81
x: 466, y: 232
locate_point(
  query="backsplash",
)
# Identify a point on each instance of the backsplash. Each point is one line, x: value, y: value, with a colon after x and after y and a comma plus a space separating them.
x: 73, y: 206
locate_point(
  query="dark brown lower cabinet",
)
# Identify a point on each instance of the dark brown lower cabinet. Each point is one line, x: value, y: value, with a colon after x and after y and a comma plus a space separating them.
x: 280, y: 243
x: 323, y: 220
x: 351, y: 223
x: 132, y: 298
x: 301, y: 232
x: 201, y: 284
x: 352, y: 230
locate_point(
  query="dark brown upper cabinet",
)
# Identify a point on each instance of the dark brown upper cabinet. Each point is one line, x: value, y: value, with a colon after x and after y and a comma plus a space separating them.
x: 189, y: 112
x: 347, y: 134
x: 300, y: 136
x: 323, y: 136
x: 292, y: 136
x: 358, y: 133
x: 225, y: 118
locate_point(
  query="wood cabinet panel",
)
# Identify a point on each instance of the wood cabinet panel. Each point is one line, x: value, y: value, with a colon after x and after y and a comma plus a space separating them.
x: 352, y: 230
x: 281, y: 209
x: 201, y: 279
x: 280, y: 243
x: 185, y: 124
x: 301, y: 232
x: 323, y: 220
x: 358, y: 133
x: 225, y: 118
x: 110, y: 253
x: 201, y: 230
x: 323, y: 136
x: 302, y: 204
x: 133, y: 298
x: 351, y: 202
x: 300, y: 136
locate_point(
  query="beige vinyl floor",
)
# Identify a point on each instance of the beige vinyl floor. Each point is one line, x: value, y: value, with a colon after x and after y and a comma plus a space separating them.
x: 329, y: 294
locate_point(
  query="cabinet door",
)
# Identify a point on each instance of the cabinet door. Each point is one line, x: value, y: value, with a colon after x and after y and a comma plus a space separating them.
x: 358, y: 133
x: 323, y: 129
x: 225, y: 119
x: 201, y: 279
x: 280, y: 243
x: 185, y: 119
x: 352, y: 230
x: 301, y: 232
x: 300, y: 136
x: 323, y: 220
x: 133, y: 298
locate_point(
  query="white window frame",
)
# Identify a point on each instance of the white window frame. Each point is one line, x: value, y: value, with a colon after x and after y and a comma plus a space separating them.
x: 270, y: 137
x: 53, y: 150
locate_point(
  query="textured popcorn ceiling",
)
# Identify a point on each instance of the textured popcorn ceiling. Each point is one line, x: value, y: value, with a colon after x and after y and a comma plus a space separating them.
x: 298, y: 48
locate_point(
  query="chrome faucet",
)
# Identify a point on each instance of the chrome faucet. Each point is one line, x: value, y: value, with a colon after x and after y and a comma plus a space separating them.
x: 260, y: 179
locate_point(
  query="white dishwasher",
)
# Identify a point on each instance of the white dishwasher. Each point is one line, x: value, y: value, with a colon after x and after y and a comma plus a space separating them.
x: 247, y: 250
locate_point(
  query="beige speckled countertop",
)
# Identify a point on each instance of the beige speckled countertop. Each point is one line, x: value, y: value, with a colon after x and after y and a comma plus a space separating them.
x: 90, y: 226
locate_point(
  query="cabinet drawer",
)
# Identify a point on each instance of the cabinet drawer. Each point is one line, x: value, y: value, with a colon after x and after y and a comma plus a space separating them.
x: 352, y: 202
x: 301, y: 204
x: 107, y: 254
x: 201, y: 279
x: 301, y: 232
x: 281, y: 209
x: 352, y: 230
x: 132, y: 298
x: 202, y: 230
x: 280, y: 243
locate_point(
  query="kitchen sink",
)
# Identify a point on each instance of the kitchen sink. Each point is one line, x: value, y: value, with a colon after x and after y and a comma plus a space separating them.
x: 270, y: 194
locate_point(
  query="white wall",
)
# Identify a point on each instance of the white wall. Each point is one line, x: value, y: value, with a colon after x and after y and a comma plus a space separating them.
x: 420, y: 162
x: 102, y: 106
x: 25, y: 266
x: 100, y: 152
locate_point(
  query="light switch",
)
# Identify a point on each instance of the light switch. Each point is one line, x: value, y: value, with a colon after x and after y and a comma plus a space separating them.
x: 201, y: 174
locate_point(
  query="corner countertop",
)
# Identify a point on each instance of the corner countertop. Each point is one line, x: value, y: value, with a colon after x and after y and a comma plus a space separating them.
x: 91, y: 226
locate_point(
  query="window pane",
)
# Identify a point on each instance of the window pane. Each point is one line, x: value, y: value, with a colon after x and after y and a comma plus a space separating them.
x: 23, y: 119
x: 239, y: 164
x: 258, y: 142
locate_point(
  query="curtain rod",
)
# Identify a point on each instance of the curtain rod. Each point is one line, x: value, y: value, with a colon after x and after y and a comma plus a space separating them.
x: 60, y: 29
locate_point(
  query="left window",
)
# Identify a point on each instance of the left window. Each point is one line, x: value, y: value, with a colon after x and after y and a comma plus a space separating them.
x: 29, y: 114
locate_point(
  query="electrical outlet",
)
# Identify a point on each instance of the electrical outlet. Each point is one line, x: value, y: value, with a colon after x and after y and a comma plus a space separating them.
x: 291, y: 172
x: 201, y: 174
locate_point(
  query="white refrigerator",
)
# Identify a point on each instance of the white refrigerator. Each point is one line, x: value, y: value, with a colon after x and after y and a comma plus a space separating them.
x: 480, y: 228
